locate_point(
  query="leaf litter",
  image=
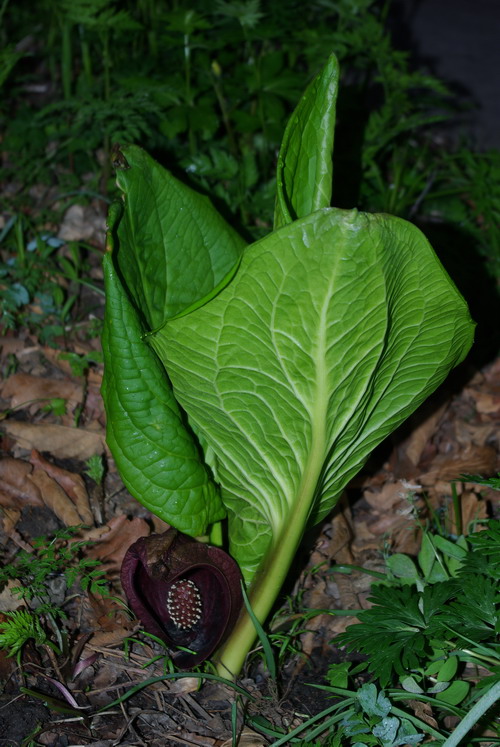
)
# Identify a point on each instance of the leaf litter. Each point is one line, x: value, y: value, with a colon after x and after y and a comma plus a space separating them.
x: 43, y: 486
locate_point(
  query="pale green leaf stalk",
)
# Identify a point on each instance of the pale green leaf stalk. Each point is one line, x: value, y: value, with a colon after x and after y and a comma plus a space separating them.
x: 288, y: 370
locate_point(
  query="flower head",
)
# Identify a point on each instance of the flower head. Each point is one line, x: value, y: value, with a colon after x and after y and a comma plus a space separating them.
x: 184, y: 591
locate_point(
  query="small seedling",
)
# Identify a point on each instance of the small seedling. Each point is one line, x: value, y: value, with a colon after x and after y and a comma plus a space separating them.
x: 95, y: 468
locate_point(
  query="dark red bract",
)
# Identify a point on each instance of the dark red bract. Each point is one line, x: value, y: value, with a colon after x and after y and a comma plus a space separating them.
x: 185, y: 592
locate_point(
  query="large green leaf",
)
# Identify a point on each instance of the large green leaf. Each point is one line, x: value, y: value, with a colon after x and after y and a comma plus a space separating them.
x: 174, y: 247
x: 333, y: 331
x: 304, y: 173
x: 145, y: 430
x: 168, y: 250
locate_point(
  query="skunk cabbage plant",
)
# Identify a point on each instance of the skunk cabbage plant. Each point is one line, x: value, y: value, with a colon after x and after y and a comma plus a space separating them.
x: 250, y: 383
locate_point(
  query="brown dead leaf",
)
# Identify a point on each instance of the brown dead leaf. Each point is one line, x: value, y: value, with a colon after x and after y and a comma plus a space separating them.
x: 104, y: 638
x: 472, y: 508
x: 8, y: 600
x: 488, y: 404
x: 16, y: 490
x: 113, y: 540
x: 72, y: 484
x: 184, y: 685
x: 474, y: 459
x: 412, y: 448
x: 159, y: 525
x: 106, y: 613
x: 478, y: 434
x: 248, y: 738
x: 423, y: 711
x: 107, y: 619
x: 55, y: 498
x: 33, y: 392
x: 10, y: 517
x: 61, y: 441
x: 11, y: 345
x: 391, y: 494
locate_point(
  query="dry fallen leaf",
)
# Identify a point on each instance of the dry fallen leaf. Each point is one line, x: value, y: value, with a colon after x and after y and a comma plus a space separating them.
x: 55, y: 498
x: 8, y: 600
x: 113, y: 540
x: 16, y: 490
x: 106, y: 614
x: 61, y: 441
x: 72, y: 484
x: 34, y: 392
x: 10, y: 517
x: 390, y: 495
x: 248, y: 738
x: 412, y: 448
x: 482, y: 460
x: 472, y: 508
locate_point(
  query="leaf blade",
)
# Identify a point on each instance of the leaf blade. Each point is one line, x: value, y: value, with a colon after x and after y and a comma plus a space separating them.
x: 305, y: 169
x: 307, y: 360
x: 158, y: 459
x: 174, y: 247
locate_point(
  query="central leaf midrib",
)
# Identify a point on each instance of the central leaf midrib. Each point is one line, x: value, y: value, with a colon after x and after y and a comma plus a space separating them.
x: 302, y: 504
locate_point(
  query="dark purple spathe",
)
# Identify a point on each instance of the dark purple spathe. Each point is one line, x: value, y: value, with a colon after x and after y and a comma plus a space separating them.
x: 185, y: 592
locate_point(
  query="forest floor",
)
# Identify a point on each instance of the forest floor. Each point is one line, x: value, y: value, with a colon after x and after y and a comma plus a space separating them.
x: 53, y: 422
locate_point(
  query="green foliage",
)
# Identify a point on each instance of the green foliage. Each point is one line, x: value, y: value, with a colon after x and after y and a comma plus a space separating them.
x: 39, y: 574
x: 81, y: 362
x: 39, y: 280
x: 424, y: 629
x: 466, y: 195
x: 490, y: 482
x: 95, y: 468
x: 366, y: 716
x: 57, y: 557
x: 371, y: 723
x: 289, y: 371
x: 210, y: 89
x: 20, y: 626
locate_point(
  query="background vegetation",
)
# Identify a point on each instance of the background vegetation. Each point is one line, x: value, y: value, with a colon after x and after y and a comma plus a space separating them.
x: 207, y: 89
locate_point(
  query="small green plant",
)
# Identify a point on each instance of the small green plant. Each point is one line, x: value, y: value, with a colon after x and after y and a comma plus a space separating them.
x: 39, y: 574
x: 81, y: 362
x: 423, y: 627
x: 95, y: 468
x: 20, y: 627
x: 373, y: 723
x: 39, y: 284
x: 59, y: 556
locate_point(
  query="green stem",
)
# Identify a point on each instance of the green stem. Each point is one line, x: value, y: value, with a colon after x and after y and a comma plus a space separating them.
x: 276, y: 564
x: 479, y: 709
x: 457, y: 508
x: 66, y: 60
x: 18, y: 232
x: 86, y: 62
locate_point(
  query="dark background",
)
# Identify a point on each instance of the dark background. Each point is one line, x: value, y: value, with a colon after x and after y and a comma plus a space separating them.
x: 459, y: 41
